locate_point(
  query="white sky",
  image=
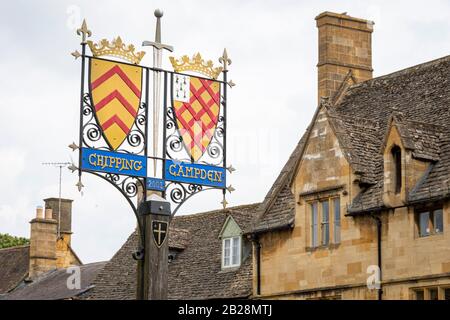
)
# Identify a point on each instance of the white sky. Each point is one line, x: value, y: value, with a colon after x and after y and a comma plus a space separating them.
x: 273, y: 45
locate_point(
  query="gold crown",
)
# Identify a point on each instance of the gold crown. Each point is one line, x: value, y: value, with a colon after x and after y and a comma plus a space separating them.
x: 196, y: 64
x: 116, y: 48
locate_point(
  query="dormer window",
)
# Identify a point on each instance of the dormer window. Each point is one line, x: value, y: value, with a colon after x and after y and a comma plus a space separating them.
x: 397, y: 162
x: 231, y: 252
x: 232, y: 246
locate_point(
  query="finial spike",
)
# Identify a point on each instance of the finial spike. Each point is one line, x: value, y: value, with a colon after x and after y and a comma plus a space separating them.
x: 224, y: 202
x: 225, y: 60
x: 76, y: 54
x: 79, y: 185
x: 231, y: 169
x: 84, y: 32
x: 73, y: 146
x: 230, y: 189
x: 72, y: 168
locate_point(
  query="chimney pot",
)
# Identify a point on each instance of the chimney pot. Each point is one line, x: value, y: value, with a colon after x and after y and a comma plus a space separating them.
x: 39, y: 212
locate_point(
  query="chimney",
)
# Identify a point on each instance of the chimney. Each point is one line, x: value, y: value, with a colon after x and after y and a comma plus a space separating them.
x: 65, y: 225
x: 42, y: 243
x: 64, y: 255
x: 345, y: 43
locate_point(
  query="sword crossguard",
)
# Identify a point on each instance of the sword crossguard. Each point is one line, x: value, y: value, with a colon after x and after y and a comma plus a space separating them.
x: 157, y: 45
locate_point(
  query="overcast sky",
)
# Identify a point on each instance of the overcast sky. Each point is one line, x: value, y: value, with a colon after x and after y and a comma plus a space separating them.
x: 273, y: 45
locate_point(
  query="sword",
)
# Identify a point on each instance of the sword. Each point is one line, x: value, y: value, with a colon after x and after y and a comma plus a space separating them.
x: 158, y: 47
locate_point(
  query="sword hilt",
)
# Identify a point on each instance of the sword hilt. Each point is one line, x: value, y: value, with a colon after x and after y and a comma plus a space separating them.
x: 157, y: 43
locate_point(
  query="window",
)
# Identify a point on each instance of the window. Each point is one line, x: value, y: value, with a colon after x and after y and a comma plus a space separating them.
x: 432, y: 293
x: 325, y: 222
x: 325, y: 225
x: 231, y: 252
x: 397, y: 160
x: 430, y: 222
x: 446, y: 293
x: 314, y: 225
x: 419, y: 295
x: 337, y: 220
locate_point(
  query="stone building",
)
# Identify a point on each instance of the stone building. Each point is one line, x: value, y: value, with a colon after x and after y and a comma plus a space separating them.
x: 209, y: 258
x: 208, y: 254
x: 366, y: 190
x: 361, y: 209
x: 40, y: 270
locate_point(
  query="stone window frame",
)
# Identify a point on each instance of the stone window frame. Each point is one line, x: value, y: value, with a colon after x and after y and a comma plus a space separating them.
x: 425, y: 290
x: 239, y: 254
x: 431, y: 220
x: 396, y: 154
x: 319, y: 196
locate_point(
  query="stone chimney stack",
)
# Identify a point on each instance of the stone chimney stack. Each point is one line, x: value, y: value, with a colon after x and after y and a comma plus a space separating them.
x: 66, y: 216
x: 42, y: 243
x: 345, y: 43
x: 64, y: 256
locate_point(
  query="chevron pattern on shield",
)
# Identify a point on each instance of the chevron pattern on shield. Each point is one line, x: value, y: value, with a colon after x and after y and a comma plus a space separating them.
x: 196, y: 102
x: 116, y: 94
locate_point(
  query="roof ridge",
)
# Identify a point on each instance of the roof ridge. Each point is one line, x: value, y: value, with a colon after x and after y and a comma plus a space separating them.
x: 211, y: 212
x: 405, y: 70
x: 15, y: 247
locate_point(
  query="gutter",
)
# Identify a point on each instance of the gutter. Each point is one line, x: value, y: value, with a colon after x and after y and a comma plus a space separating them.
x: 379, y: 255
x: 258, y: 266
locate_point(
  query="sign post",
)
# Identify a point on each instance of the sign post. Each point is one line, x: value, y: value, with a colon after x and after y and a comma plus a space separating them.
x: 156, y: 216
x: 114, y: 137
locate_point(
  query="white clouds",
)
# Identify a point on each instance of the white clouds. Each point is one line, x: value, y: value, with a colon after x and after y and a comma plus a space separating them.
x: 12, y: 164
x: 273, y: 45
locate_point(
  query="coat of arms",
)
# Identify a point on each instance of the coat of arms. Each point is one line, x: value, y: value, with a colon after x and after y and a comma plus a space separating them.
x: 196, y: 103
x: 115, y: 90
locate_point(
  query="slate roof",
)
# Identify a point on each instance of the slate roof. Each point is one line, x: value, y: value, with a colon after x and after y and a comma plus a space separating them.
x: 13, y: 267
x: 417, y: 99
x: 53, y: 284
x: 196, y: 272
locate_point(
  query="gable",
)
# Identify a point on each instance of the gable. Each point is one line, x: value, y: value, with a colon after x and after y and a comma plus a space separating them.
x: 230, y: 229
x: 323, y: 163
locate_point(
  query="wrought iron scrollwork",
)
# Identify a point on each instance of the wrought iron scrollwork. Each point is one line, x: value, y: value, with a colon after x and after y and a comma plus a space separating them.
x: 179, y: 193
x: 92, y: 133
x: 175, y: 149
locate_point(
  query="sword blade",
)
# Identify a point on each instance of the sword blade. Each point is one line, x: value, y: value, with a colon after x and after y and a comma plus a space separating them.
x: 157, y: 63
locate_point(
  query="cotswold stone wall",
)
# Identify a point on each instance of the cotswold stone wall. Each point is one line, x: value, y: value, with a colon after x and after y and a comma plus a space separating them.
x: 289, y: 263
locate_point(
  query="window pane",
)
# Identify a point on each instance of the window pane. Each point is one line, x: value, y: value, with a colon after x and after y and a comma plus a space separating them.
x: 226, y: 252
x: 447, y: 294
x: 424, y: 221
x: 314, y: 224
x: 337, y: 220
x: 325, y: 223
x: 236, y: 251
x: 419, y: 295
x: 438, y: 222
x: 433, y: 294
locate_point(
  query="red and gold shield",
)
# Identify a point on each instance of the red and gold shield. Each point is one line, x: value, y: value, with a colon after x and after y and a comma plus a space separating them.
x: 196, y: 102
x: 116, y: 94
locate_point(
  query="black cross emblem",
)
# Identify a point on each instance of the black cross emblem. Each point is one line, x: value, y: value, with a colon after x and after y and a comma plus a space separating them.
x: 159, y: 231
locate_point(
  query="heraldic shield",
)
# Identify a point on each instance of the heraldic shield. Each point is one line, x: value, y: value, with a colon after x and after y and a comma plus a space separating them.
x: 116, y: 95
x: 196, y: 102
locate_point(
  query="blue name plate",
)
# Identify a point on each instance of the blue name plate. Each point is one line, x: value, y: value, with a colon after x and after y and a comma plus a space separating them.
x: 195, y: 173
x: 113, y: 162
x: 156, y: 184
